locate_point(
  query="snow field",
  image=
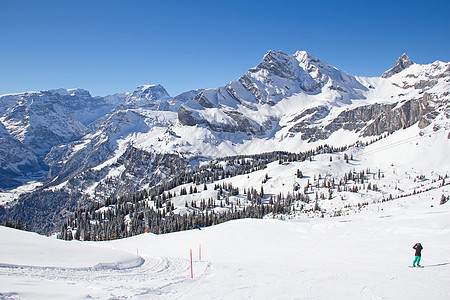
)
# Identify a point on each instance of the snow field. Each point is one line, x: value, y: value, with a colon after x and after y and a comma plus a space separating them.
x: 357, y: 256
x: 21, y: 249
x: 36, y: 267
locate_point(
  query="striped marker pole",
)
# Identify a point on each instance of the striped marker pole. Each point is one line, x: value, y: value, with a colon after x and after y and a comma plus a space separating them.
x: 192, y: 271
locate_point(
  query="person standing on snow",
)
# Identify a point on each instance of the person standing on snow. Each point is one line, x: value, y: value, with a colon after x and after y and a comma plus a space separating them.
x: 418, y: 248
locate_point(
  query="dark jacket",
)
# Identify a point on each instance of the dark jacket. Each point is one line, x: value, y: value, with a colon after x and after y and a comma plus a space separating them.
x: 418, y: 248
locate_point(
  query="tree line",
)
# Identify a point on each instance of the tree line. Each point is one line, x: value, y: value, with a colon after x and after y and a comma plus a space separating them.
x: 129, y: 215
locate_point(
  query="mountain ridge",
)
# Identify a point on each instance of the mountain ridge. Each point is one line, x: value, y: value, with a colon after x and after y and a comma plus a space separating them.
x: 285, y: 103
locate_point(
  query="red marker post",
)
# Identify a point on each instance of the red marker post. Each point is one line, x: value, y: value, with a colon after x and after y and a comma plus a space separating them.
x: 192, y: 271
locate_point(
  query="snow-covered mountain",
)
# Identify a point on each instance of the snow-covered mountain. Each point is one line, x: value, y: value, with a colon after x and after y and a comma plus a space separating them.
x: 286, y: 103
x: 16, y: 160
x: 262, y: 98
x: 148, y: 108
x: 34, y: 122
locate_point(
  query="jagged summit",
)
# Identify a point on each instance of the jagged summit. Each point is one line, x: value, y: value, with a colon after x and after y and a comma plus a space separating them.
x: 150, y: 96
x: 401, y: 63
x: 284, y: 65
x: 304, y: 56
x: 150, y: 92
x: 276, y: 63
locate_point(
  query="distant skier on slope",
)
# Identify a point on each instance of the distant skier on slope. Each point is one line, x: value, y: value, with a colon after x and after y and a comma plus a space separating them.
x: 418, y: 254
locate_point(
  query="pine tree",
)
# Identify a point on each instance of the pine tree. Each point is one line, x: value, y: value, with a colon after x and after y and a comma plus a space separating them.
x: 346, y: 157
x: 316, y: 206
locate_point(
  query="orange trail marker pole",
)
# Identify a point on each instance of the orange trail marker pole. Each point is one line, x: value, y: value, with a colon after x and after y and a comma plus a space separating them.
x: 192, y: 271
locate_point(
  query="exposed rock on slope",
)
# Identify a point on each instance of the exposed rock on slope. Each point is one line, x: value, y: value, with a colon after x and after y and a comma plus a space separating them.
x: 402, y: 63
x: 101, y: 147
x: 33, y: 122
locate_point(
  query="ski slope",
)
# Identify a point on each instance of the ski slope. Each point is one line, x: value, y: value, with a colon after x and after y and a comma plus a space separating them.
x: 363, y: 254
x: 358, y: 256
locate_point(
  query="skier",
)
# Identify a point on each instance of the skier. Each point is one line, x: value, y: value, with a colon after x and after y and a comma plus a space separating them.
x: 418, y: 248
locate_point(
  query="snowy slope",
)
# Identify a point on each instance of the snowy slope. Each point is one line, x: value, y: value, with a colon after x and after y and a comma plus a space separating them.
x: 21, y: 248
x: 358, y: 256
x: 410, y: 160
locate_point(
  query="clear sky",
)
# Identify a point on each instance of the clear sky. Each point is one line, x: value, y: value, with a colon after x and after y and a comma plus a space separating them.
x: 113, y: 46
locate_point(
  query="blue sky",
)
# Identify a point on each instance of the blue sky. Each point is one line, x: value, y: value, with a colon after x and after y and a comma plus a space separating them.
x: 113, y: 46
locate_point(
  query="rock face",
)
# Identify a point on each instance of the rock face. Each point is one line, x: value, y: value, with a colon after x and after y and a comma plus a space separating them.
x: 70, y: 159
x: 136, y: 115
x: 16, y: 161
x: 391, y: 119
x: 139, y: 168
x: 34, y: 122
x: 369, y: 120
x: 402, y: 63
x: 153, y: 97
x: 41, y: 120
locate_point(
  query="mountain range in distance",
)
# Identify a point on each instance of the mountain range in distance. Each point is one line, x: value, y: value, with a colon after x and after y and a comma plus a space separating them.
x: 65, y: 144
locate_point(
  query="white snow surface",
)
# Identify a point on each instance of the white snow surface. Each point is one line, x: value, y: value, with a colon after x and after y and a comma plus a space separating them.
x: 359, y: 256
x: 26, y: 249
x: 12, y: 195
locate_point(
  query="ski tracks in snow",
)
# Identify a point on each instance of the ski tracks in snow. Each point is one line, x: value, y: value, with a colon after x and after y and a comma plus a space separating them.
x: 154, y: 277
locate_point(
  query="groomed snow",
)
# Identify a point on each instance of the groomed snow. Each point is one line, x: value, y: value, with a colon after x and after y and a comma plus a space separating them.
x: 21, y: 249
x: 360, y: 256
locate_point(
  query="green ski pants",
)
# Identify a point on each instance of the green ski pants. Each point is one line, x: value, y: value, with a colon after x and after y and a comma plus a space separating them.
x: 417, y: 260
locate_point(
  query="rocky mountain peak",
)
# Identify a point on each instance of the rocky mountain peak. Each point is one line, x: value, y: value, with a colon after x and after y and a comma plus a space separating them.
x: 71, y: 92
x: 276, y: 63
x: 401, y: 63
x: 305, y: 57
x: 152, y: 96
x: 150, y: 92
